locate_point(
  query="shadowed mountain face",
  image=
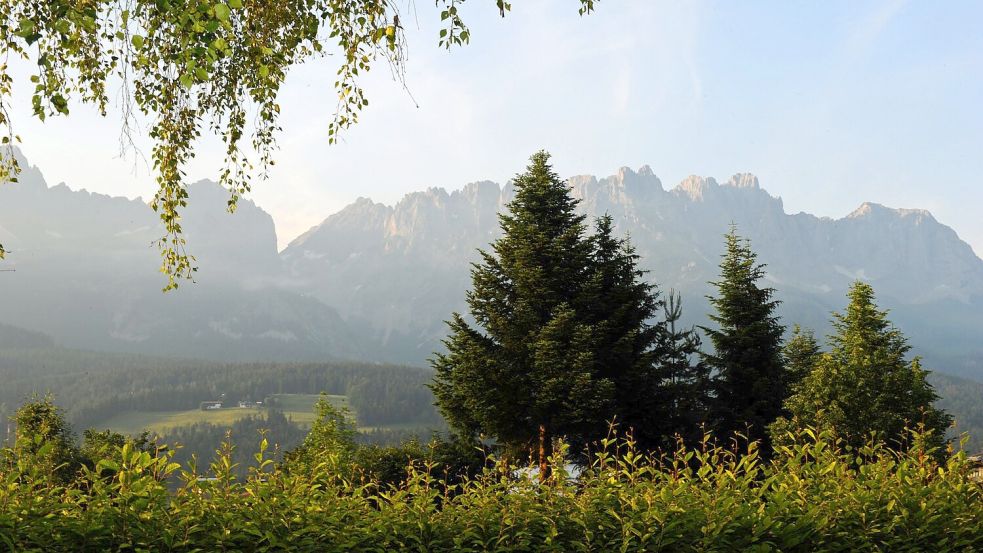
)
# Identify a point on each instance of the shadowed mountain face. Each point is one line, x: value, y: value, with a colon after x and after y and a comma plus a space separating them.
x: 377, y: 282
x: 86, y: 274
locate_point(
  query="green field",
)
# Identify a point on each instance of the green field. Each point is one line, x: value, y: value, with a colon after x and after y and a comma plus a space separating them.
x: 298, y: 407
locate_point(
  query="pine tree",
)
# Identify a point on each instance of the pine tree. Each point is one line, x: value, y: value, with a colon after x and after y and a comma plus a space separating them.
x: 865, y: 385
x: 749, y: 380
x: 560, y: 343
x: 685, y: 378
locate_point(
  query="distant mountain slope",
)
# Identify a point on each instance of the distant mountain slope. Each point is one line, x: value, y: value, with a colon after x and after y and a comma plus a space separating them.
x: 400, y: 271
x: 13, y: 337
x: 376, y: 282
x: 86, y: 274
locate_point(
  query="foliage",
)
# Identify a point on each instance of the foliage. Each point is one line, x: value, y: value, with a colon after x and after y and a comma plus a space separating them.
x: 211, y: 66
x: 749, y: 380
x: 95, y: 388
x: 44, y: 439
x: 960, y: 397
x: 455, y: 460
x: 630, y: 342
x: 865, y: 385
x: 815, y: 494
x: 106, y: 444
x: 802, y: 353
x: 332, y: 445
x: 202, y: 441
x: 685, y: 380
x: 562, y: 340
x: 330, y: 442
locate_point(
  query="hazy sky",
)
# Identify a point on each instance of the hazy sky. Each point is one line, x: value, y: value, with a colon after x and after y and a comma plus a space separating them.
x: 830, y: 103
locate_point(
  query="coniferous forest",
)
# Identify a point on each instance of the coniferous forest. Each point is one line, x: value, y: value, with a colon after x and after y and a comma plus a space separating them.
x: 580, y: 416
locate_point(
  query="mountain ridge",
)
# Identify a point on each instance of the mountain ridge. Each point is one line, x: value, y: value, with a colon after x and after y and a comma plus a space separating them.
x: 376, y: 281
x: 678, y: 232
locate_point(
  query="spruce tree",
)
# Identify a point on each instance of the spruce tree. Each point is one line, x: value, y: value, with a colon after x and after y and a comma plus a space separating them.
x: 529, y: 372
x: 802, y: 353
x: 865, y: 385
x: 749, y: 380
x: 623, y: 310
x: 560, y: 343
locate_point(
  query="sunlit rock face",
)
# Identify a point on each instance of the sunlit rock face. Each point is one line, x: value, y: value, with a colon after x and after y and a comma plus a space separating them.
x: 399, y: 271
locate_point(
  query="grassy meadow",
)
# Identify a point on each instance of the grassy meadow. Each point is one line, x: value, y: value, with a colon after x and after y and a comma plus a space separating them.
x: 296, y: 407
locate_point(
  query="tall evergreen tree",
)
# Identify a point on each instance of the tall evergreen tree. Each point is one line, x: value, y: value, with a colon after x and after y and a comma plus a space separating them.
x: 560, y: 343
x: 865, y: 385
x: 627, y: 337
x: 749, y: 380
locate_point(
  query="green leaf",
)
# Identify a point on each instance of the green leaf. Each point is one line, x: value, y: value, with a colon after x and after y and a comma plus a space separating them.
x: 137, y: 41
x: 235, y: 4
x: 26, y: 27
x: 222, y: 12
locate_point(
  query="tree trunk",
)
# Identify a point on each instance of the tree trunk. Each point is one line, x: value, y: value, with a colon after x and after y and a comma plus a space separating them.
x: 545, y: 445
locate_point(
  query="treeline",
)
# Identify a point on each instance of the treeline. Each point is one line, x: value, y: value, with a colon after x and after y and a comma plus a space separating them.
x: 239, y: 441
x: 963, y: 399
x: 94, y: 388
x: 565, y: 334
x: 378, y: 394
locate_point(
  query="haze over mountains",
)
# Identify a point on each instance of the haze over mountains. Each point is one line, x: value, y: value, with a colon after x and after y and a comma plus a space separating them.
x: 376, y: 282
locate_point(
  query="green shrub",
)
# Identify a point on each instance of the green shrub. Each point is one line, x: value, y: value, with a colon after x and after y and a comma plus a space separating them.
x: 815, y: 494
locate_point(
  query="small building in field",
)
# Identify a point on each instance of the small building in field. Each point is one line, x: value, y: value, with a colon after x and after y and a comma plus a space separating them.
x: 211, y: 405
x: 975, y: 463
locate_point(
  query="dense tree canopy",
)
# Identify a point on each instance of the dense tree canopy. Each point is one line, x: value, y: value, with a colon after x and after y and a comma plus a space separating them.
x: 865, y: 384
x: 567, y: 335
x: 801, y: 352
x: 201, y: 66
x: 45, y: 439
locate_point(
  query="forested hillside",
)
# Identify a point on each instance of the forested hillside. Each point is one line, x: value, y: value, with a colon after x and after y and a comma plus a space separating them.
x: 390, y: 402
x: 94, y: 387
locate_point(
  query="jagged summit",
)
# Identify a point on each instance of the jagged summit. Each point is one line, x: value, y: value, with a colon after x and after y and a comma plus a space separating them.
x: 428, y: 239
x: 695, y: 187
x: 380, y: 280
x: 743, y: 180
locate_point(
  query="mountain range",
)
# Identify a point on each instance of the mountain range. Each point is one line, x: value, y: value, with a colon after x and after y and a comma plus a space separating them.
x: 376, y: 282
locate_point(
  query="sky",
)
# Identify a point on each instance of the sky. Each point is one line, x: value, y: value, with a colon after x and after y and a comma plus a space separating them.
x: 830, y: 104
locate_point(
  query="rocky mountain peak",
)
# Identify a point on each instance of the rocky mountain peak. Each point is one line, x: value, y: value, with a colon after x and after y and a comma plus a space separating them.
x: 695, y: 187
x: 743, y: 180
x: 480, y: 192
